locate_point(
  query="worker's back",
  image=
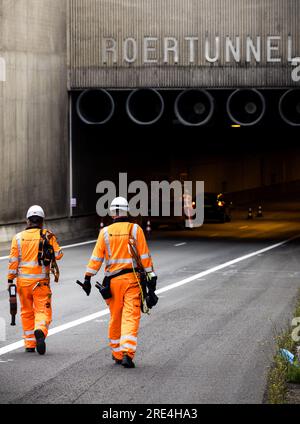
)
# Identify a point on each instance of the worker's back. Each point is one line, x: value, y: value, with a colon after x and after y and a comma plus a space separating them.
x: 112, y: 246
x: 30, y: 240
x: 119, y: 234
x: 24, y: 257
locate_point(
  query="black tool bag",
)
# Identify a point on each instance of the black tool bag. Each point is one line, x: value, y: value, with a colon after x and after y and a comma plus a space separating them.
x: 143, y: 284
x: 104, y: 288
x: 46, y: 252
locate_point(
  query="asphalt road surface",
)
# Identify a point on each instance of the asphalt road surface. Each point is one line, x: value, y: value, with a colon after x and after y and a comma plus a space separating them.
x: 209, y: 340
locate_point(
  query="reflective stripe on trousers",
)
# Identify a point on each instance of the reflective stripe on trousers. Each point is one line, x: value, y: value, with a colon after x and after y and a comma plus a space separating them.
x: 128, y: 337
x: 127, y: 346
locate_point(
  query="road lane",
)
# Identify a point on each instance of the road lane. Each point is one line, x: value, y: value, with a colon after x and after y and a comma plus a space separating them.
x: 16, y: 345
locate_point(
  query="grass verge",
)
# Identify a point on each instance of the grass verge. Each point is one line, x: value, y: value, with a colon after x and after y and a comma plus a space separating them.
x: 281, y: 373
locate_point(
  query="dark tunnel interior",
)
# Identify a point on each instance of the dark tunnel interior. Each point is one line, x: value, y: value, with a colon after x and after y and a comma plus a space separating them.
x: 102, y: 151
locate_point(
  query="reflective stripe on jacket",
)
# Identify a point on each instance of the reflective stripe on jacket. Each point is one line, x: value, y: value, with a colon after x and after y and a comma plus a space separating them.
x: 112, y: 247
x: 23, y: 259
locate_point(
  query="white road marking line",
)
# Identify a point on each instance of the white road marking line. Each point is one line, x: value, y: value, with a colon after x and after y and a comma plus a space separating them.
x: 59, y: 329
x: 222, y: 266
x: 244, y: 227
x: 79, y: 244
x: 69, y: 246
x: 180, y: 244
x: 92, y: 317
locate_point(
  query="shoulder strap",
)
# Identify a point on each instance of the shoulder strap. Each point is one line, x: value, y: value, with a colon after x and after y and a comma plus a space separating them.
x: 41, y: 244
x: 49, y: 234
x: 130, y: 230
x: 133, y: 247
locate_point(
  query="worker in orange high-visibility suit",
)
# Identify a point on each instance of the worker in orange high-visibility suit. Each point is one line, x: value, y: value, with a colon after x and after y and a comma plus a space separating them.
x: 33, y: 280
x: 125, y: 303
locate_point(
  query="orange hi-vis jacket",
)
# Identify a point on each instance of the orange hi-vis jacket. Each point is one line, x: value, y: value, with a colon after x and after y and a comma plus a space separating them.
x: 23, y: 259
x: 112, y: 247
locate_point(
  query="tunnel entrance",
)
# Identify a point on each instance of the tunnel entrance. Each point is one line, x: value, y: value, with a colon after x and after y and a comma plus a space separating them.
x: 168, y: 134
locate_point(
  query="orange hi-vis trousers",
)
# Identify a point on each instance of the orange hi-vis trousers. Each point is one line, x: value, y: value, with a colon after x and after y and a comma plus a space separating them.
x: 36, y: 311
x: 125, y: 310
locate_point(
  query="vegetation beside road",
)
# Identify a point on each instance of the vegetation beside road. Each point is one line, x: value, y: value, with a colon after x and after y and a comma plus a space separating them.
x: 284, y: 378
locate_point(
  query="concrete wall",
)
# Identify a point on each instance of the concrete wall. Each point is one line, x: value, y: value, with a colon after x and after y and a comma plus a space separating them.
x: 33, y: 108
x: 93, y: 22
x: 66, y: 229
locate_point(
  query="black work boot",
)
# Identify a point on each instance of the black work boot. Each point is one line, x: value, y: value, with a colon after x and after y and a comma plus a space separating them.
x: 117, y: 361
x: 40, y: 342
x: 30, y: 349
x: 127, y: 362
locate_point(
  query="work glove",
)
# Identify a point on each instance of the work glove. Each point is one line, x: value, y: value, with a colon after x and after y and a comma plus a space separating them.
x: 152, y: 281
x: 86, y: 286
x: 151, y: 299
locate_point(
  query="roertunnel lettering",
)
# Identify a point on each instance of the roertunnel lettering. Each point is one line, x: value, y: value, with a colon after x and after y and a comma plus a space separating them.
x: 186, y: 51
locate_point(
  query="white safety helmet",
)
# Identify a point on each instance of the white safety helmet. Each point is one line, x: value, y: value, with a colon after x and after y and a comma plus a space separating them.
x: 35, y: 211
x: 119, y: 204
